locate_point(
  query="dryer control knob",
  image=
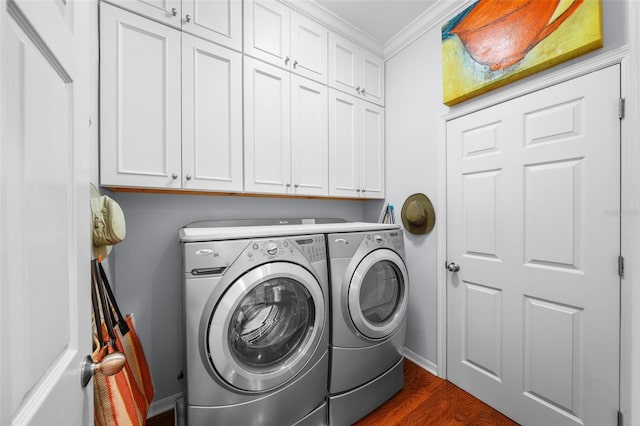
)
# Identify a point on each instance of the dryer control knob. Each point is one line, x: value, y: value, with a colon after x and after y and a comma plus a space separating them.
x: 272, y: 248
x: 378, y: 239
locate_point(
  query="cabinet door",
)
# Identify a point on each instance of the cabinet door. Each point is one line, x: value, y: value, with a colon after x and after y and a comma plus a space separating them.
x: 371, y: 79
x: 140, y: 101
x: 165, y: 11
x: 372, y: 153
x: 309, y: 137
x: 267, y: 135
x: 343, y: 63
x: 211, y: 116
x: 266, y: 31
x: 219, y: 21
x: 308, y: 48
x: 343, y: 145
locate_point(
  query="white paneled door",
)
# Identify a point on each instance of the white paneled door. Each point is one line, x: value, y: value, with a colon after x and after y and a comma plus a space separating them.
x: 45, y: 321
x: 533, y: 198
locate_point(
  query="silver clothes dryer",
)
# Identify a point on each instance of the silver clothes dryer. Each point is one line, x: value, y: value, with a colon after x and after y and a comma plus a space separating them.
x: 369, y: 292
x: 256, y: 327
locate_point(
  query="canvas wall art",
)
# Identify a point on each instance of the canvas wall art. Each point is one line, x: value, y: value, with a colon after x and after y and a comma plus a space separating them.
x: 494, y: 42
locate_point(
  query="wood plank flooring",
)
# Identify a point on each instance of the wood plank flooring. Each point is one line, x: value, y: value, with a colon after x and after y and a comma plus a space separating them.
x: 424, y: 400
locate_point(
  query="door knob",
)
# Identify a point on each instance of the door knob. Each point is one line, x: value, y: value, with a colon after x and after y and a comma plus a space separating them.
x: 110, y: 365
x: 452, y: 267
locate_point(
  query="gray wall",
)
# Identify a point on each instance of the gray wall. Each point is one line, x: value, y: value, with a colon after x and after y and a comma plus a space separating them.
x: 413, y: 109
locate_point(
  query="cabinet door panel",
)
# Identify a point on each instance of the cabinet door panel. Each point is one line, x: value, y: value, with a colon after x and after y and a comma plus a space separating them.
x: 216, y: 20
x: 267, y: 31
x: 372, y: 79
x: 309, y: 137
x: 343, y: 145
x: 158, y: 10
x: 140, y: 95
x: 343, y: 62
x: 267, y: 128
x: 212, y: 116
x: 372, y: 154
x: 308, y: 48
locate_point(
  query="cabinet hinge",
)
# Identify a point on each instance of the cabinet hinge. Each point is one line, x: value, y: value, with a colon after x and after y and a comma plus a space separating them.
x: 620, y: 420
x: 621, y: 108
x: 621, y: 266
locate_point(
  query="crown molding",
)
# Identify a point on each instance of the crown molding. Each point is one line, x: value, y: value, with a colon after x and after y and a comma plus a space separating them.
x: 431, y: 18
x: 336, y: 24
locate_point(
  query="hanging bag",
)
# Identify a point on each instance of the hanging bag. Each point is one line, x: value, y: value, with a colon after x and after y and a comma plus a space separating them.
x: 123, y: 398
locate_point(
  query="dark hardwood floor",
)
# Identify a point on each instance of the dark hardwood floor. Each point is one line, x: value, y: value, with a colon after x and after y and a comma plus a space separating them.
x: 424, y: 400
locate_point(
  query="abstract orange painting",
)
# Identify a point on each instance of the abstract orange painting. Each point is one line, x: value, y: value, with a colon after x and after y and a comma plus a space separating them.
x: 494, y: 42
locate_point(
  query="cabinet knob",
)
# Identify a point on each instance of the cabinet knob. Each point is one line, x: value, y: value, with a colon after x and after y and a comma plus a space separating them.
x: 295, y: 186
x: 187, y: 18
x: 364, y: 190
x: 188, y: 177
x: 286, y: 60
x: 288, y: 184
x: 362, y: 91
x: 174, y: 11
x: 295, y: 64
x: 358, y: 89
x: 174, y: 176
x: 358, y: 190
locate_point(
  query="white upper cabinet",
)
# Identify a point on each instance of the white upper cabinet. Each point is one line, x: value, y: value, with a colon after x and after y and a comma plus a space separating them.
x: 355, y: 70
x: 286, y: 132
x: 287, y: 39
x: 140, y: 101
x: 356, y: 147
x: 267, y: 134
x: 171, y: 113
x: 211, y: 116
x: 309, y: 137
x: 219, y: 21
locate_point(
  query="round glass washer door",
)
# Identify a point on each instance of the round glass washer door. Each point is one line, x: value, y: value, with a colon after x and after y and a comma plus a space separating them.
x: 266, y: 326
x: 378, y: 294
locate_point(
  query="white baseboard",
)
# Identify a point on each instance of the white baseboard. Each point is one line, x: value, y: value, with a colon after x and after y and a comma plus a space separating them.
x: 422, y: 362
x: 164, y: 404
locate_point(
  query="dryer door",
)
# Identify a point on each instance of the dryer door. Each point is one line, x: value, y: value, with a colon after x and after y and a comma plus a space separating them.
x: 266, y: 326
x: 378, y: 294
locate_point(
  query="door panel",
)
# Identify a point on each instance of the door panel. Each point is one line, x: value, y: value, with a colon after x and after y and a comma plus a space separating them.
x: 45, y: 320
x: 308, y: 48
x: 267, y: 133
x: 343, y: 144
x: 533, y: 313
x: 212, y: 116
x: 309, y: 137
x: 140, y: 101
x: 267, y: 31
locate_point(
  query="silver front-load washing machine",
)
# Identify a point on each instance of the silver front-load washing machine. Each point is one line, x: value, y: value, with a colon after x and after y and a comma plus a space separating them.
x: 256, y: 315
x: 369, y: 291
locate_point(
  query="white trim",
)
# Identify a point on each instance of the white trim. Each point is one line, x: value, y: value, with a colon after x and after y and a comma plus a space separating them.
x: 163, y: 405
x: 433, y: 17
x: 441, y: 248
x: 422, y: 362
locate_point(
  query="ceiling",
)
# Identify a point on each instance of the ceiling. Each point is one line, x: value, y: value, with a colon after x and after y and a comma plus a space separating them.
x: 381, y: 19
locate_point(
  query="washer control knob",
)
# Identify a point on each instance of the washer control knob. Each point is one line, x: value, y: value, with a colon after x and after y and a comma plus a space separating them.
x: 378, y: 239
x: 272, y: 248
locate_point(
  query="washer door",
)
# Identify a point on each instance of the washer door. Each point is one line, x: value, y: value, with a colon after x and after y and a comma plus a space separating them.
x: 266, y: 326
x: 378, y: 294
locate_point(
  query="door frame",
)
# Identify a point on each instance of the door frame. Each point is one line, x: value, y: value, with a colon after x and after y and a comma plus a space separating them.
x: 630, y: 184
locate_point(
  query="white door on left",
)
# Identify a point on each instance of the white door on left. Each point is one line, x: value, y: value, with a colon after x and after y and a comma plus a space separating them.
x: 45, y: 328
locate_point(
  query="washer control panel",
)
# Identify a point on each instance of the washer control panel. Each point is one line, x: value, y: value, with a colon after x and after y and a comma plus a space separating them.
x: 311, y: 246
